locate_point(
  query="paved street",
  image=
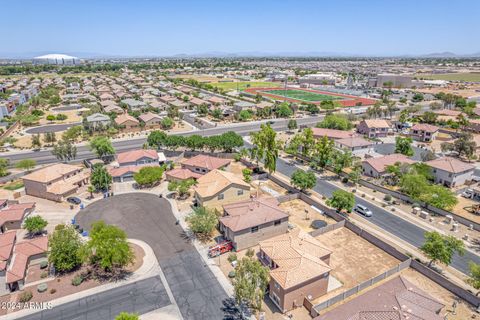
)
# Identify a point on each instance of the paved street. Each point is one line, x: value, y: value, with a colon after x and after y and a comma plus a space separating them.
x: 141, y: 297
x: 148, y: 218
x: 386, y: 220
x: 51, y: 128
x: 83, y: 151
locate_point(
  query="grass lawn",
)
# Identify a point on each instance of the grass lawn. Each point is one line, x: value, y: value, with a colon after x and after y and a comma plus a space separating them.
x: 303, y: 95
x: 13, y: 185
x: 468, y: 76
x: 242, y: 85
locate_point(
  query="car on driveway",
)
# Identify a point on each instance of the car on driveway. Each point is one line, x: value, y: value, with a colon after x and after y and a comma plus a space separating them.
x: 363, y: 210
x: 74, y: 200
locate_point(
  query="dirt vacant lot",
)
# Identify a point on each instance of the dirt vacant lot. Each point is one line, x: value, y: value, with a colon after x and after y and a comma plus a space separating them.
x: 353, y: 259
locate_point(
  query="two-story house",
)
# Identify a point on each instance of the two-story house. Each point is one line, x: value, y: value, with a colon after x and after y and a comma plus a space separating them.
x: 373, y: 128
x: 55, y: 182
x: 248, y: 222
x: 203, y: 164
x: 129, y: 162
x: 299, y: 268
x: 451, y: 172
x: 423, y: 132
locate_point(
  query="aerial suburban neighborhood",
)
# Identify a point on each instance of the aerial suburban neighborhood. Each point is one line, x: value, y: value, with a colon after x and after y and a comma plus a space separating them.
x: 178, y: 175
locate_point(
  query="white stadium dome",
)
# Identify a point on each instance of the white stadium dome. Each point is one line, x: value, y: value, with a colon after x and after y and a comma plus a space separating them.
x: 56, y: 59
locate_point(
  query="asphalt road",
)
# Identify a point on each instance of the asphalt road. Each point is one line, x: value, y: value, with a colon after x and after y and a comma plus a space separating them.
x: 83, y: 151
x: 149, y: 218
x: 385, y: 219
x: 51, y: 128
x: 139, y: 297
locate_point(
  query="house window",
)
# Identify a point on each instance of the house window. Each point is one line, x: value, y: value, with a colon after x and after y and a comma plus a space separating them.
x: 220, y: 196
x: 254, y: 229
x: 239, y: 192
x: 276, y: 223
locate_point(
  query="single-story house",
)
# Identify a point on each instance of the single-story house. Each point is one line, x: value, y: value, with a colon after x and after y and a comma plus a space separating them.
x: 127, y: 121
x: 113, y: 108
x: 299, y: 268
x: 217, y: 188
x: 150, y: 119
x: 180, y: 174
x: 451, y: 172
x: 376, y: 167
x: 332, y: 133
x: 355, y: 144
x: 203, y: 163
x: 98, y: 120
x: 12, y: 215
x: 134, y: 104
x: 248, y: 222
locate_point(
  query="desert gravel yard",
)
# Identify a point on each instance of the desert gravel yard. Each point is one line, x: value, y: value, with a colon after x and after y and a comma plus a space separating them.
x: 302, y: 214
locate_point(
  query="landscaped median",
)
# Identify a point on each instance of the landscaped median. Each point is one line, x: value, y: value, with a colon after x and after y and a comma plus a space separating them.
x: 81, y: 282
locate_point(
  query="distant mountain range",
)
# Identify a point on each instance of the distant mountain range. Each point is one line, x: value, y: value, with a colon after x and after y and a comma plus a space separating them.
x: 220, y: 54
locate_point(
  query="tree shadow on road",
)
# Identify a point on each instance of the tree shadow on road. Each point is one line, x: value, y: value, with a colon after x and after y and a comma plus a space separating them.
x: 231, y: 310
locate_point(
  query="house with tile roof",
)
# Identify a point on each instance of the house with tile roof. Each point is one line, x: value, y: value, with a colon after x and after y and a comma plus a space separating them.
x: 332, y: 133
x: 127, y: 121
x: 150, y: 119
x: 397, y: 299
x: 55, y: 182
x: 451, y: 172
x: 248, y: 222
x: 7, y: 242
x: 373, y: 128
x: 377, y: 167
x: 25, y: 253
x: 299, y: 268
x: 203, y: 163
x: 130, y: 162
x: 13, y: 213
x: 181, y: 174
x: 356, y: 145
x: 424, y: 132
x: 218, y: 188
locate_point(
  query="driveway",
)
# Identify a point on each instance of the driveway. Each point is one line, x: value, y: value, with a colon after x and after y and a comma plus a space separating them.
x: 149, y: 218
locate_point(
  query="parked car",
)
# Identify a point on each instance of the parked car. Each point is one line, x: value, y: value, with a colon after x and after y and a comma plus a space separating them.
x: 74, y: 200
x: 468, y: 193
x: 475, y: 178
x: 363, y: 210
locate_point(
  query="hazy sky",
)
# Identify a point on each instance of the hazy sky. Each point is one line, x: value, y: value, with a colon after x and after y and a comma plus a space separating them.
x: 124, y: 27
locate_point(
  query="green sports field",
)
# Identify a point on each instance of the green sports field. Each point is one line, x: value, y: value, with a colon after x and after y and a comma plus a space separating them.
x: 242, y: 85
x: 302, y: 95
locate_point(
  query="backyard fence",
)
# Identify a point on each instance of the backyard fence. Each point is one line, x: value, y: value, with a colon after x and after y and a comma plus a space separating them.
x: 327, y: 228
x: 315, y: 311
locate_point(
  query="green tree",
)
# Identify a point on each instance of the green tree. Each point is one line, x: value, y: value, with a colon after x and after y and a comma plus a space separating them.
x: 413, y: 185
x: 267, y: 147
x: 156, y: 138
x: 292, y: 124
x: 247, y: 175
x: 307, y: 142
x: 342, y: 200
x: 303, y: 180
x: 181, y: 187
x: 335, y: 121
x: 245, y: 115
x: 202, y: 221
x: 441, y: 248
x: 100, y: 178
x: 440, y: 197
x: 474, y: 279
x: 195, y: 142
x: 250, y: 283
x: 167, y: 123
x: 4, y: 167
x: 341, y: 160
x: 34, y: 224
x: 127, y: 316
x: 283, y: 110
x: 430, y: 117
x: 148, y: 176
x: 102, y: 147
x: 403, y: 145
x: 108, y: 247
x: 323, y: 152
x: 65, y: 246
x: 65, y: 150
x: 26, y: 164
x: 36, y: 142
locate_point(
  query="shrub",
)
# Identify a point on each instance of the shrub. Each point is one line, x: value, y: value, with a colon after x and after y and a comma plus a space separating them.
x: 393, y: 209
x: 384, y: 205
x: 43, y: 275
x: 52, y: 291
x: 42, y: 287
x: 344, y: 179
x: 387, y: 197
x: 232, y: 257
x: 25, y: 296
x: 77, y: 280
x: 231, y: 274
x: 363, y: 195
x: 43, y: 264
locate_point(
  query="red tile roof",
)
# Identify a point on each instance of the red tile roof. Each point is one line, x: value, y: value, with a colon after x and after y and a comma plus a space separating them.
x: 332, y: 133
x: 381, y: 163
x: 23, y: 251
x: 15, y: 212
x: 450, y: 165
x: 132, y: 156
x: 250, y: 213
x: 425, y: 127
x: 207, y: 162
x: 7, y: 241
x: 182, y: 174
